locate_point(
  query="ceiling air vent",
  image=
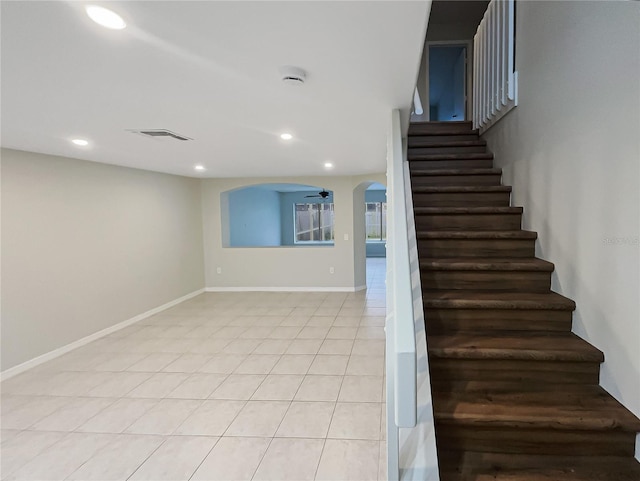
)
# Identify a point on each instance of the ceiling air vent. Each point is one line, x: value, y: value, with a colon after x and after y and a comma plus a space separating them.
x: 160, y: 133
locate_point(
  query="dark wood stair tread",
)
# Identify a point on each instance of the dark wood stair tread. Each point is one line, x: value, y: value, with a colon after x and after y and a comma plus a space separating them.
x: 462, y: 299
x: 461, y: 188
x: 466, y: 210
x: 443, y: 172
x: 594, y: 410
x: 524, y: 346
x: 462, y: 156
x: 482, y: 466
x: 486, y: 264
x: 438, y: 128
x: 515, y: 392
x: 419, y: 142
x: 490, y: 234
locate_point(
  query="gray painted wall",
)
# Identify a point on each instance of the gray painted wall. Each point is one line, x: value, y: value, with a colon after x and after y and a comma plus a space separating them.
x: 571, y: 150
x: 88, y: 245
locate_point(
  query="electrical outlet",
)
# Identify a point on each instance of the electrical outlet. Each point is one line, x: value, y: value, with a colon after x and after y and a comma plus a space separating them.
x: 331, y: 270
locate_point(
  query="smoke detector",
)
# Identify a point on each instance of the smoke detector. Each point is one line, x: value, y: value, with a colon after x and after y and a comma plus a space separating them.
x: 293, y: 75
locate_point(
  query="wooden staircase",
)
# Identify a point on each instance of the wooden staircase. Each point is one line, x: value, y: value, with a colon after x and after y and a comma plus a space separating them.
x: 515, y: 393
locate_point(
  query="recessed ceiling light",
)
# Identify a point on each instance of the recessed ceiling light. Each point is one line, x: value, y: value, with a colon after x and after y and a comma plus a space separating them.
x: 286, y: 136
x: 328, y: 165
x: 200, y: 168
x: 80, y: 142
x: 105, y: 17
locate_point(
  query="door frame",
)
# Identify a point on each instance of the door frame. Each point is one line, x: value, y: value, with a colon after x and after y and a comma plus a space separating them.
x: 468, y: 100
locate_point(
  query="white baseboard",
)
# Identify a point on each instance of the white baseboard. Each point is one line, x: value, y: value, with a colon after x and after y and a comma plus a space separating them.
x: 20, y: 368
x: 285, y: 289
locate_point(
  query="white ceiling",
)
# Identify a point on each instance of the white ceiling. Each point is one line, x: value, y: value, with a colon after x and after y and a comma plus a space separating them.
x: 209, y: 70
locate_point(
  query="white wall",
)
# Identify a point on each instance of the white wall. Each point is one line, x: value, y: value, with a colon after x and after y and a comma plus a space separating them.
x: 285, y: 267
x: 571, y: 150
x: 87, y: 245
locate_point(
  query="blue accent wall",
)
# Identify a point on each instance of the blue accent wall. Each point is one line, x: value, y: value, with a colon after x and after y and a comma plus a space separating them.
x: 376, y: 249
x: 254, y: 218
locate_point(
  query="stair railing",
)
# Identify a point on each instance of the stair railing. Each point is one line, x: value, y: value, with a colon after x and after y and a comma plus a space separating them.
x: 495, y: 81
x: 417, y: 103
x: 411, y: 450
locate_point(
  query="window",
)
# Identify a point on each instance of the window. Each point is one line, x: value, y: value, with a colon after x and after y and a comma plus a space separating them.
x: 314, y: 222
x: 376, y: 221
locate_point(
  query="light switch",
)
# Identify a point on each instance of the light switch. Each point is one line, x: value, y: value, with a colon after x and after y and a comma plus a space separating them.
x: 346, y: 237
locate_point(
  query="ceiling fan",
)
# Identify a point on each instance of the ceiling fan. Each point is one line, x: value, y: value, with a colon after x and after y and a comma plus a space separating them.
x: 323, y: 193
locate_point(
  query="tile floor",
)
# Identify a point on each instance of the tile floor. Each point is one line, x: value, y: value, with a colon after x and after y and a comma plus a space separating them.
x: 225, y: 386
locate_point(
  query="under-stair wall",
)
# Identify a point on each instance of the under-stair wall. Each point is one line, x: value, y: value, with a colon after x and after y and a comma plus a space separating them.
x: 571, y: 151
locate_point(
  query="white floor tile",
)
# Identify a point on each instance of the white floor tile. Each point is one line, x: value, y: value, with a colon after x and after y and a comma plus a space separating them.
x: 209, y: 346
x: 7, y: 434
x: 159, y: 385
x: 272, y: 346
x: 197, y: 386
x: 118, y: 416
x: 290, y: 460
x: 310, y: 332
x: 62, y: 458
x: 347, y: 321
x: 119, y: 384
x: 319, y: 388
x: 187, y: 363
x: 258, y: 418
x: 349, y: 460
x: 278, y: 387
x: 382, y: 463
x: 295, y: 320
x: 336, y: 346
x: 120, y: 362
x: 257, y: 364
x: 364, y: 347
x: 229, y: 332
x: 164, y: 417
x: 176, y: 460
x: 118, y: 459
x: 356, y: 421
x: 366, y: 366
x: 338, y: 332
x: 32, y: 411
x: 238, y: 386
x: 25, y: 446
x: 370, y: 332
x: 248, y: 366
x: 241, y: 346
x: 232, y: 459
x: 306, y: 420
x: 73, y: 414
x: 211, y: 418
x: 304, y: 346
x: 257, y: 333
x: 361, y: 389
x: 293, y: 364
x: 329, y: 365
x: 223, y: 363
x: 153, y: 362
x: 285, y: 332
x: 321, y: 321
